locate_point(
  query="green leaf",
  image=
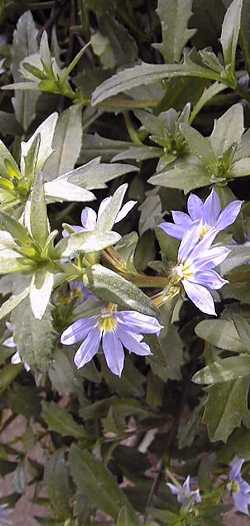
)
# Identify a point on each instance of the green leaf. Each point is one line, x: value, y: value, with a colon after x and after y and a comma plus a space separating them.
x: 66, y: 143
x: 57, y: 479
x: 95, y: 174
x: 24, y: 44
x: 93, y: 145
x: 224, y: 370
x: 198, y: 145
x: 17, y: 231
x: 185, y: 175
x: 225, y: 408
x: 206, y: 96
x: 38, y: 213
x: 146, y: 74
x: 106, y: 219
x: 244, y: 32
x: 61, y: 421
x: 221, y: 333
x: 34, y: 338
x: 230, y: 32
x: 8, y: 374
x: 40, y: 291
x: 85, y: 242
x: 46, y: 131
x: 114, y: 288
x: 98, y: 485
x: 62, y: 190
x: 228, y: 130
x: 12, y: 303
x: 174, y: 16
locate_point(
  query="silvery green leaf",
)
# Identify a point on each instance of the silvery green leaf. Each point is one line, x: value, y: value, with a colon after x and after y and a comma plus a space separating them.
x: 85, y: 242
x: 228, y: 130
x: 198, y: 145
x: 139, y: 153
x: 207, y: 95
x: 145, y: 74
x: 15, y: 229
x: 38, y: 212
x: 61, y: 190
x: 93, y: 145
x: 241, y: 168
x: 174, y: 16
x: 151, y: 212
x: 46, y: 131
x: 40, y: 291
x: 24, y: 44
x: 34, y: 338
x: 238, y: 256
x: 94, y: 175
x: 225, y: 408
x: 106, y: 219
x: 5, y: 155
x: 184, y: 174
x: 66, y: 143
x: 224, y: 370
x: 45, y: 52
x: 220, y: 333
x: 12, y: 302
x: 114, y: 288
x: 230, y: 32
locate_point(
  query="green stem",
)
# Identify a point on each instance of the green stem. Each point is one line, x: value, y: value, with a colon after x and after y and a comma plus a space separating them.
x: 131, y: 130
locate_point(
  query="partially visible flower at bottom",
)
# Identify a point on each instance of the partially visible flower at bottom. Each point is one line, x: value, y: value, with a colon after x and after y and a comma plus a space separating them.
x: 184, y: 494
x: 5, y: 512
x: 239, y: 488
x: 15, y: 358
x: 115, y: 330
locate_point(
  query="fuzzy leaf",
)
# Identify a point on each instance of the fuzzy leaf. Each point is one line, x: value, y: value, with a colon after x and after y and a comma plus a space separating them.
x: 221, y: 333
x: 38, y: 213
x: 34, y: 338
x: 85, y: 242
x: 61, y: 421
x: 66, y: 143
x: 230, y: 32
x: 174, y: 16
x: 57, y: 478
x: 95, y: 482
x: 114, y: 288
x: 225, y: 408
x: 224, y: 370
x: 40, y: 291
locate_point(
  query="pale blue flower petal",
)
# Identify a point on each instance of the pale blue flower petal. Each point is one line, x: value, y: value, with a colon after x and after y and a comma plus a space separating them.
x: 89, y: 348
x: 241, y: 502
x: 211, y: 258
x: 200, y: 296
x: 138, y: 322
x: 210, y: 279
x: 78, y: 330
x: 189, y: 241
x: 211, y: 209
x: 113, y: 352
x: 180, y: 218
x: 229, y: 215
x: 176, y: 231
x: 88, y: 219
x: 9, y: 342
x: 132, y: 343
x: 195, y: 207
x: 236, y: 466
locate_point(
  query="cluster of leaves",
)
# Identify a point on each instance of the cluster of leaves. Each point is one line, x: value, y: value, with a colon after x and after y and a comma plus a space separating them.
x: 103, y: 98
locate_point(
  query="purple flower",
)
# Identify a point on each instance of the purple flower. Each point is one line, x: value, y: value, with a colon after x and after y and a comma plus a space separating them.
x: 194, y: 270
x: 89, y: 217
x: 5, y: 515
x: 239, y: 488
x: 80, y: 292
x: 209, y: 214
x: 15, y: 358
x: 115, y: 330
x: 184, y: 494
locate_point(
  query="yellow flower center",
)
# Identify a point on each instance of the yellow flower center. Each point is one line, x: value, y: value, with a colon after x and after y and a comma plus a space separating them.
x: 204, y: 230
x: 107, y: 323
x: 233, y: 486
x: 183, y: 271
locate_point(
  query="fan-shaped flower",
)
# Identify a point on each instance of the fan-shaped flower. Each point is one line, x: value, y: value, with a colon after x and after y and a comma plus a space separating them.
x: 114, y: 330
x: 194, y: 269
x: 184, y: 494
x: 239, y: 488
x: 209, y: 214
